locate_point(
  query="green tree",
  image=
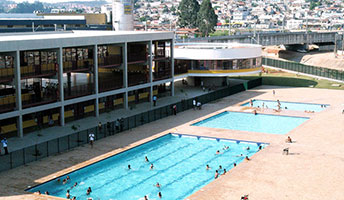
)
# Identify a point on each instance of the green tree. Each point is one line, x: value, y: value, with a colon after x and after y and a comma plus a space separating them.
x: 165, y: 10
x: 187, y: 13
x: 173, y: 10
x: 206, y: 18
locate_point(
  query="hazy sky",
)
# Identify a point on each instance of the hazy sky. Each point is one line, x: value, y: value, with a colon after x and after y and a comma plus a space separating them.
x: 49, y: 1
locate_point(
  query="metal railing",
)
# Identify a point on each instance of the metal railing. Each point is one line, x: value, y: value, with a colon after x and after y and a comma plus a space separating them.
x: 307, y: 69
x: 58, y: 145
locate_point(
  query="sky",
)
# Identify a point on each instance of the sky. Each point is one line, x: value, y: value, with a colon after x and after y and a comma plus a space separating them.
x: 49, y: 1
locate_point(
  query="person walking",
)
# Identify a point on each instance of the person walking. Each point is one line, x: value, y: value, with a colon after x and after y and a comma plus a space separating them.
x: 154, y: 100
x: 194, y: 104
x: 174, y: 108
x: 117, y: 124
x: 100, y: 127
x: 91, y: 137
x: 121, y: 124
x: 108, y: 128
x: 4, y: 145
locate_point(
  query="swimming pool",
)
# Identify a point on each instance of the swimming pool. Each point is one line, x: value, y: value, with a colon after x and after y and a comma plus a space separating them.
x: 274, y: 124
x: 288, y: 105
x: 179, y: 166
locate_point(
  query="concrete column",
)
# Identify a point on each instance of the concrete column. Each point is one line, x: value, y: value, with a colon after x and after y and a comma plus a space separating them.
x: 18, y: 93
x: 60, y: 80
x: 151, y: 71
x: 95, y: 74
x: 172, y: 67
x: 125, y: 74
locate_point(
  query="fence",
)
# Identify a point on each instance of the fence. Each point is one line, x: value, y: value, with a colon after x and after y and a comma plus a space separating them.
x: 307, y: 69
x: 58, y: 145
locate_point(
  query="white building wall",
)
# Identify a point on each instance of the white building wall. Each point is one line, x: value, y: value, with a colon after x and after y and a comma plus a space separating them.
x: 239, y: 52
x: 122, y: 15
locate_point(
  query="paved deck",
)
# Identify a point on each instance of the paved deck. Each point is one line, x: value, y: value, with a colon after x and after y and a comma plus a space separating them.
x: 314, y: 170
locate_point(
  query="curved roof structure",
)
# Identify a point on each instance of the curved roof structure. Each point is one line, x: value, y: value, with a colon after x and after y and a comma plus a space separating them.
x: 216, y: 51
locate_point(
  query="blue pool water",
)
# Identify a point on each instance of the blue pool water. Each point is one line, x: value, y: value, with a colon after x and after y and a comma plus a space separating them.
x: 179, y: 166
x: 274, y: 124
x: 289, y: 105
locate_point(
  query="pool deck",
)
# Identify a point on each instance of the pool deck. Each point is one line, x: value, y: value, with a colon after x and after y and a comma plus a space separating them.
x: 313, y: 170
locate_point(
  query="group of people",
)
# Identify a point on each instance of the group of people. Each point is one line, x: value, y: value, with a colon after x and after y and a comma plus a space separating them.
x: 196, y: 104
x: 225, y: 148
x: 157, y: 185
x: 68, y: 195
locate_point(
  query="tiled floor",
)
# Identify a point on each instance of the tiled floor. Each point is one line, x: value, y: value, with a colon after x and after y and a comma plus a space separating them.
x: 314, y: 170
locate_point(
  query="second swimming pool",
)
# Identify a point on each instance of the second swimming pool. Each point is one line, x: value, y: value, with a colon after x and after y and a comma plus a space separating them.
x: 274, y: 124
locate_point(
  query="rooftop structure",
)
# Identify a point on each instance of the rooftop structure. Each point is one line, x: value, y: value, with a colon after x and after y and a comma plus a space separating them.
x: 209, y: 64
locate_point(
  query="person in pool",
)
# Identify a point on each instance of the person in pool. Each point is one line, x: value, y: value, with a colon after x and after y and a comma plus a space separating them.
x: 89, y: 190
x: 207, y: 167
x: 157, y: 185
x: 216, y: 174
x: 218, y: 152
x: 151, y: 166
x: 145, y: 197
x: 75, y: 184
x: 146, y: 158
x: 159, y: 195
x: 129, y: 167
x: 67, y: 194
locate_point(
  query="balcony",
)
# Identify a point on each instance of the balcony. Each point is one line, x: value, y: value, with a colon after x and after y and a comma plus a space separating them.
x: 31, y: 98
x: 77, y: 66
x: 135, y: 58
x: 107, y: 85
x: 7, y: 103
x: 6, y: 74
x: 110, y: 61
x: 78, y: 91
x: 162, y: 71
x: 137, y: 78
x: 44, y: 70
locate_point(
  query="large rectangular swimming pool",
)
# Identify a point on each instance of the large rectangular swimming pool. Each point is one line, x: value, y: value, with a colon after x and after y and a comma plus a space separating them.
x: 179, y: 166
x: 287, y: 105
x: 274, y: 124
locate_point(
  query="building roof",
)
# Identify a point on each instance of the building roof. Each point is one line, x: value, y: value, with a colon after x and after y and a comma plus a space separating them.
x: 37, y: 40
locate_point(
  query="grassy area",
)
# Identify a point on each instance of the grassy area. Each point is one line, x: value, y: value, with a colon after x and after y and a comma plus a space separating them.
x: 293, y: 80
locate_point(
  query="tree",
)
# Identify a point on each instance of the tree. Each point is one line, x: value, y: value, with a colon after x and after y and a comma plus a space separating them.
x: 165, y: 10
x: 173, y: 10
x: 206, y: 18
x: 187, y: 13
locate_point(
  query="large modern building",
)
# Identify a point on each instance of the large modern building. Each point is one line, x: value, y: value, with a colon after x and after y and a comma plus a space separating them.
x: 52, y: 22
x: 210, y: 64
x: 52, y: 78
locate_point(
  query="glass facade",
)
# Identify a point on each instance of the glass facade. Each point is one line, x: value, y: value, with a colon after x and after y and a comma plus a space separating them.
x: 39, y: 83
x: 182, y: 66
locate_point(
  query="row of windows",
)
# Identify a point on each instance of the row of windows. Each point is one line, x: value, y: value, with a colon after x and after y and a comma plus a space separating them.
x: 181, y: 66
